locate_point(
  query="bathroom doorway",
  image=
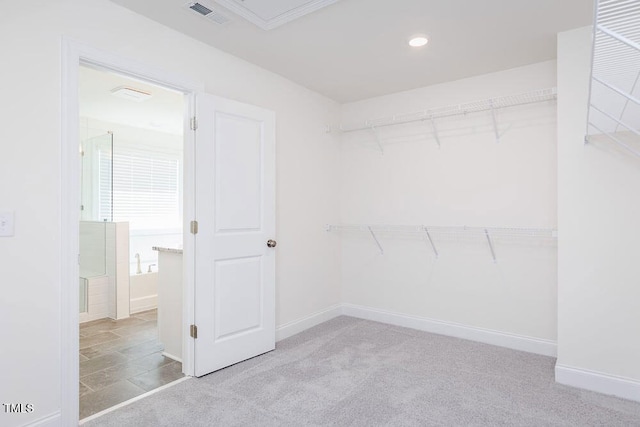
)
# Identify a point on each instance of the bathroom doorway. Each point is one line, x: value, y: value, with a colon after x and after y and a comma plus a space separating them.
x: 234, y: 139
x: 131, y: 219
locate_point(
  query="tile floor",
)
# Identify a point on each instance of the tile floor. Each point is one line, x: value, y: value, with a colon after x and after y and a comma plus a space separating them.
x: 121, y: 359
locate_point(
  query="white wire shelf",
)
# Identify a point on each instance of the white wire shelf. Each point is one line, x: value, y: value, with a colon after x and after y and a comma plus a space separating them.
x: 432, y: 234
x: 615, y: 73
x: 490, y: 104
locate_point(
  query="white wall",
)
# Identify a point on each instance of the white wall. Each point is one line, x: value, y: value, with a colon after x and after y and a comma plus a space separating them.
x: 30, y: 40
x: 471, y: 180
x: 598, y: 269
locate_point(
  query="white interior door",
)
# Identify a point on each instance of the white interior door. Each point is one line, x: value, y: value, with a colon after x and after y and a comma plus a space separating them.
x: 235, y: 210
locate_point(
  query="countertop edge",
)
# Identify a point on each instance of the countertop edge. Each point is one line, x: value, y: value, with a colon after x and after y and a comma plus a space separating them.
x: 169, y: 250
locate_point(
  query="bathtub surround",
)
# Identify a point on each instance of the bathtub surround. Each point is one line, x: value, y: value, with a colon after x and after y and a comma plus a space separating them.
x: 143, y: 290
x: 142, y: 242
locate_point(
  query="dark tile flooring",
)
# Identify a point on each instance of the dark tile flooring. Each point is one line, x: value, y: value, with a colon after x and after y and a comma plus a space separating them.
x: 121, y: 359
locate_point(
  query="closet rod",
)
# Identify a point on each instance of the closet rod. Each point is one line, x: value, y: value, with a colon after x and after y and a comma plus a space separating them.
x: 489, y: 104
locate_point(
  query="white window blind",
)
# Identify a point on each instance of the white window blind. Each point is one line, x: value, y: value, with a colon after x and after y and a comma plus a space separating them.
x: 145, y: 188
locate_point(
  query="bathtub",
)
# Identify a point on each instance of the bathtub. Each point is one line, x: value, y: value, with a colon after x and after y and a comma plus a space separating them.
x: 143, y: 291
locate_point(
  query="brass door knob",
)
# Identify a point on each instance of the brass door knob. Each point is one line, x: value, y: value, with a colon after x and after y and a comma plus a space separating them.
x: 271, y: 243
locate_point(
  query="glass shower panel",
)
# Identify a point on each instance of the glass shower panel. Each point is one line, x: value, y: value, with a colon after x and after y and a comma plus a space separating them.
x: 96, y: 178
x: 83, y: 300
x: 96, y: 198
x: 93, y: 249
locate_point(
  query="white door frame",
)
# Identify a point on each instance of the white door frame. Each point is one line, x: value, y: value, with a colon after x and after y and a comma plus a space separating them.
x: 73, y: 54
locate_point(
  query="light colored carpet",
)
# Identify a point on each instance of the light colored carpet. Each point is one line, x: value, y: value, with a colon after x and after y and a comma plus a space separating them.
x: 351, y: 372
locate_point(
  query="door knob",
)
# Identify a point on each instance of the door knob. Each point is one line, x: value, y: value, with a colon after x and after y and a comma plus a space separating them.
x: 271, y: 243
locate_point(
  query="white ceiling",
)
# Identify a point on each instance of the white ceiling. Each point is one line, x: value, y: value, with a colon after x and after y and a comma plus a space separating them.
x: 163, y: 112
x: 274, y: 13
x: 271, y: 9
x: 356, y: 49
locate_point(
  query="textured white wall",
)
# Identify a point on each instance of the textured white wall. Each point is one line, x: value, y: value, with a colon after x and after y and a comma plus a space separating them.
x: 30, y: 40
x: 598, y: 211
x: 471, y: 180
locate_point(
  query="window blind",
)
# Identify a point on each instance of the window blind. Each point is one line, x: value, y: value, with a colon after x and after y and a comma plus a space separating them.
x: 145, y: 188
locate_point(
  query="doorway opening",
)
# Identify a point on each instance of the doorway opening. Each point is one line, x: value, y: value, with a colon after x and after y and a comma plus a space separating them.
x: 235, y: 286
x: 131, y: 194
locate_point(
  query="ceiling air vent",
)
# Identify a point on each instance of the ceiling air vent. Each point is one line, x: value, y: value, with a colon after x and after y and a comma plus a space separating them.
x: 201, y: 9
x: 208, y: 12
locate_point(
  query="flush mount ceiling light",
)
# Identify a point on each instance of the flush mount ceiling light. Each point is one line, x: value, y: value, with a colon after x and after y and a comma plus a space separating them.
x: 130, y: 93
x: 418, y: 40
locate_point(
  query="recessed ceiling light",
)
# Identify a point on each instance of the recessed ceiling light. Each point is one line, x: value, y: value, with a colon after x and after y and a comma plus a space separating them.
x: 418, y: 40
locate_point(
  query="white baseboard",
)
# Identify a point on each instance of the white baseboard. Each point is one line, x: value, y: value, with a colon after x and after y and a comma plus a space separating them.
x: 171, y: 356
x: 295, y: 327
x: 626, y: 388
x: 488, y: 336
x: 51, y: 420
x: 137, y: 305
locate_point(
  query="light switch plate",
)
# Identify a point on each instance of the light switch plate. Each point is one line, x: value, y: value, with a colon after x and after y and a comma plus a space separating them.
x: 6, y: 223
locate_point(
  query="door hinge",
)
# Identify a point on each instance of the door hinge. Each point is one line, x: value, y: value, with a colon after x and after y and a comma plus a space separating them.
x: 193, y: 329
x: 194, y: 227
x: 194, y: 123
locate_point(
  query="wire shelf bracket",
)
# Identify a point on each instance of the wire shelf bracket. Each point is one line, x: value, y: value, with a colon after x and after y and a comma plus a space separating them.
x: 488, y: 234
x: 375, y: 239
x: 433, y: 246
x: 493, y: 252
x: 495, y: 122
x: 435, y: 132
x: 377, y: 138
